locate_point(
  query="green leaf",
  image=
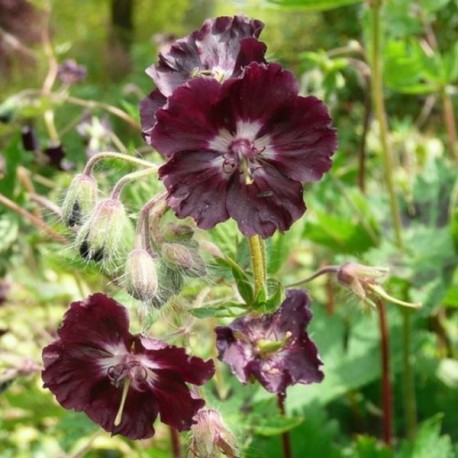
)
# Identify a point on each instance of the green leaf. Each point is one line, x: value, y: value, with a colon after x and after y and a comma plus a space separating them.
x: 13, y: 158
x: 315, y: 5
x: 370, y: 447
x: 273, y: 301
x: 428, y: 442
x: 229, y: 309
x: 274, y: 425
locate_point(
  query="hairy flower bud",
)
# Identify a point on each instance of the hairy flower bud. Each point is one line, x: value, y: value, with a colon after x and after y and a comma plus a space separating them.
x: 170, y: 282
x: 101, y: 237
x: 178, y: 232
x: 79, y: 200
x: 211, y: 437
x: 140, y: 275
x: 185, y: 259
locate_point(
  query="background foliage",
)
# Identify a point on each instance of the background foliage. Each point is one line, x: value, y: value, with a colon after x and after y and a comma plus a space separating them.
x: 326, y: 43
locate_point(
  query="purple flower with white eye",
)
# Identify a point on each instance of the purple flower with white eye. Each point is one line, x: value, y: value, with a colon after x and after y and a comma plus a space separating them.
x: 243, y: 149
x: 220, y: 49
x: 121, y: 381
x: 273, y: 348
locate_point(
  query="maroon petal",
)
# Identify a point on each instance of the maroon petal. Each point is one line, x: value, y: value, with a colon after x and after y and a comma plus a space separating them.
x: 233, y: 352
x: 251, y: 50
x: 176, y: 405
x: 187, y: 122
x: 196, y: 188
x: 175, y: 359
x: 261, y: 93
x: 175, y: 67
x: 215, y: 46
x: 148, y: 108
x: 96, y: 322
x: 302, y: 139
x: 271, y: 202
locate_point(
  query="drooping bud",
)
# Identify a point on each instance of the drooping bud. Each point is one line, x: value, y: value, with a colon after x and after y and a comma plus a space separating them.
x: 102, y: 236
x: 140, y: 275
x: 170, y: 282
x: 211, y: 438
x: 363, y: 282
x: 178, y: 232
x: 79, y: 200
x: 184, y: 259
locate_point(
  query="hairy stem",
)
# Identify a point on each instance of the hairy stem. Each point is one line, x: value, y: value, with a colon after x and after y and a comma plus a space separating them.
x: 129, y: 178
x: 112, y: 155
x: 258, y: 262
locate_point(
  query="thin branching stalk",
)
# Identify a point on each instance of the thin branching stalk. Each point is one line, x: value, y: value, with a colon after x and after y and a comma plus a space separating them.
x: 37, y: 222
x: 113, y: 155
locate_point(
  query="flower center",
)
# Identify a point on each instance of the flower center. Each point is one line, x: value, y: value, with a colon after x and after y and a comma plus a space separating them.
x: 241, y: 154
x: 130, y: 369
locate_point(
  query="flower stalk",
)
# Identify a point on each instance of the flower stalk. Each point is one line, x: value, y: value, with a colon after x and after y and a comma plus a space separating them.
x: 112, y: 155
x: 387, y: 394
x: 378, y: 103
x: 285, y: 438
x: 258, y: 262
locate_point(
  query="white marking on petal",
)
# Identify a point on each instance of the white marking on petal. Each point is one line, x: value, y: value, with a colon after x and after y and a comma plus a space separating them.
x: 247, y: 129
x: 221, y: 141
x: 118, y: 353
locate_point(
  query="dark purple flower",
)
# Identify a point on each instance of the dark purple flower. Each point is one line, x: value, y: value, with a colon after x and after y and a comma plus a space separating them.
x: 273, y: 348
x: 220, y: 49
x: 119, y: 380
x: 242, y: 149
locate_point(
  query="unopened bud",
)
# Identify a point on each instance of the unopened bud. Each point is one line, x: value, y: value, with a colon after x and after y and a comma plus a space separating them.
x: 178, y: 232
x: 79, y: 200
x: 170, y: 282
x: 140, y: 275
x: 211, y: 438
x: 103, y: 234
x: 185, y: 259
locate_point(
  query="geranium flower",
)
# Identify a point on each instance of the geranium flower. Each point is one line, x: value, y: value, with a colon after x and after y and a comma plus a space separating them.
x: 119, y: 380
x: 274, y: 348
x: 242, y: 149
x: 220, y: 49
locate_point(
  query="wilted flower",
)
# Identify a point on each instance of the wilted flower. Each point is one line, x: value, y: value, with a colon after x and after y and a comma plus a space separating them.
x: 29, y: 138
x: 121, y: 381
x: 363, y: 281
x: 242, y: 149
x: 211, y: 437
x: 274, y: 348
x: 220, y: 49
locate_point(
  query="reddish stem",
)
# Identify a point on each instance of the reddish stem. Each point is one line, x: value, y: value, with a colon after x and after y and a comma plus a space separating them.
x: 285, y: 439
x: 176, y: 444
x: 387, y: 395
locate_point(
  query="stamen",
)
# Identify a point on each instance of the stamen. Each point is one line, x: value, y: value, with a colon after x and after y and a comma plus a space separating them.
x: 125, y: 389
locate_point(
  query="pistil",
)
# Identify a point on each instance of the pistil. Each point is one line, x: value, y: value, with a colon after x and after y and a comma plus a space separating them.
x: 125, y: 389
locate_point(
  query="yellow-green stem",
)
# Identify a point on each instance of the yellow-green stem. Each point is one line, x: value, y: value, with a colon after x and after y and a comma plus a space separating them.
x: 258, y: 262
x: 379, y: 108
x: 113, y: 155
